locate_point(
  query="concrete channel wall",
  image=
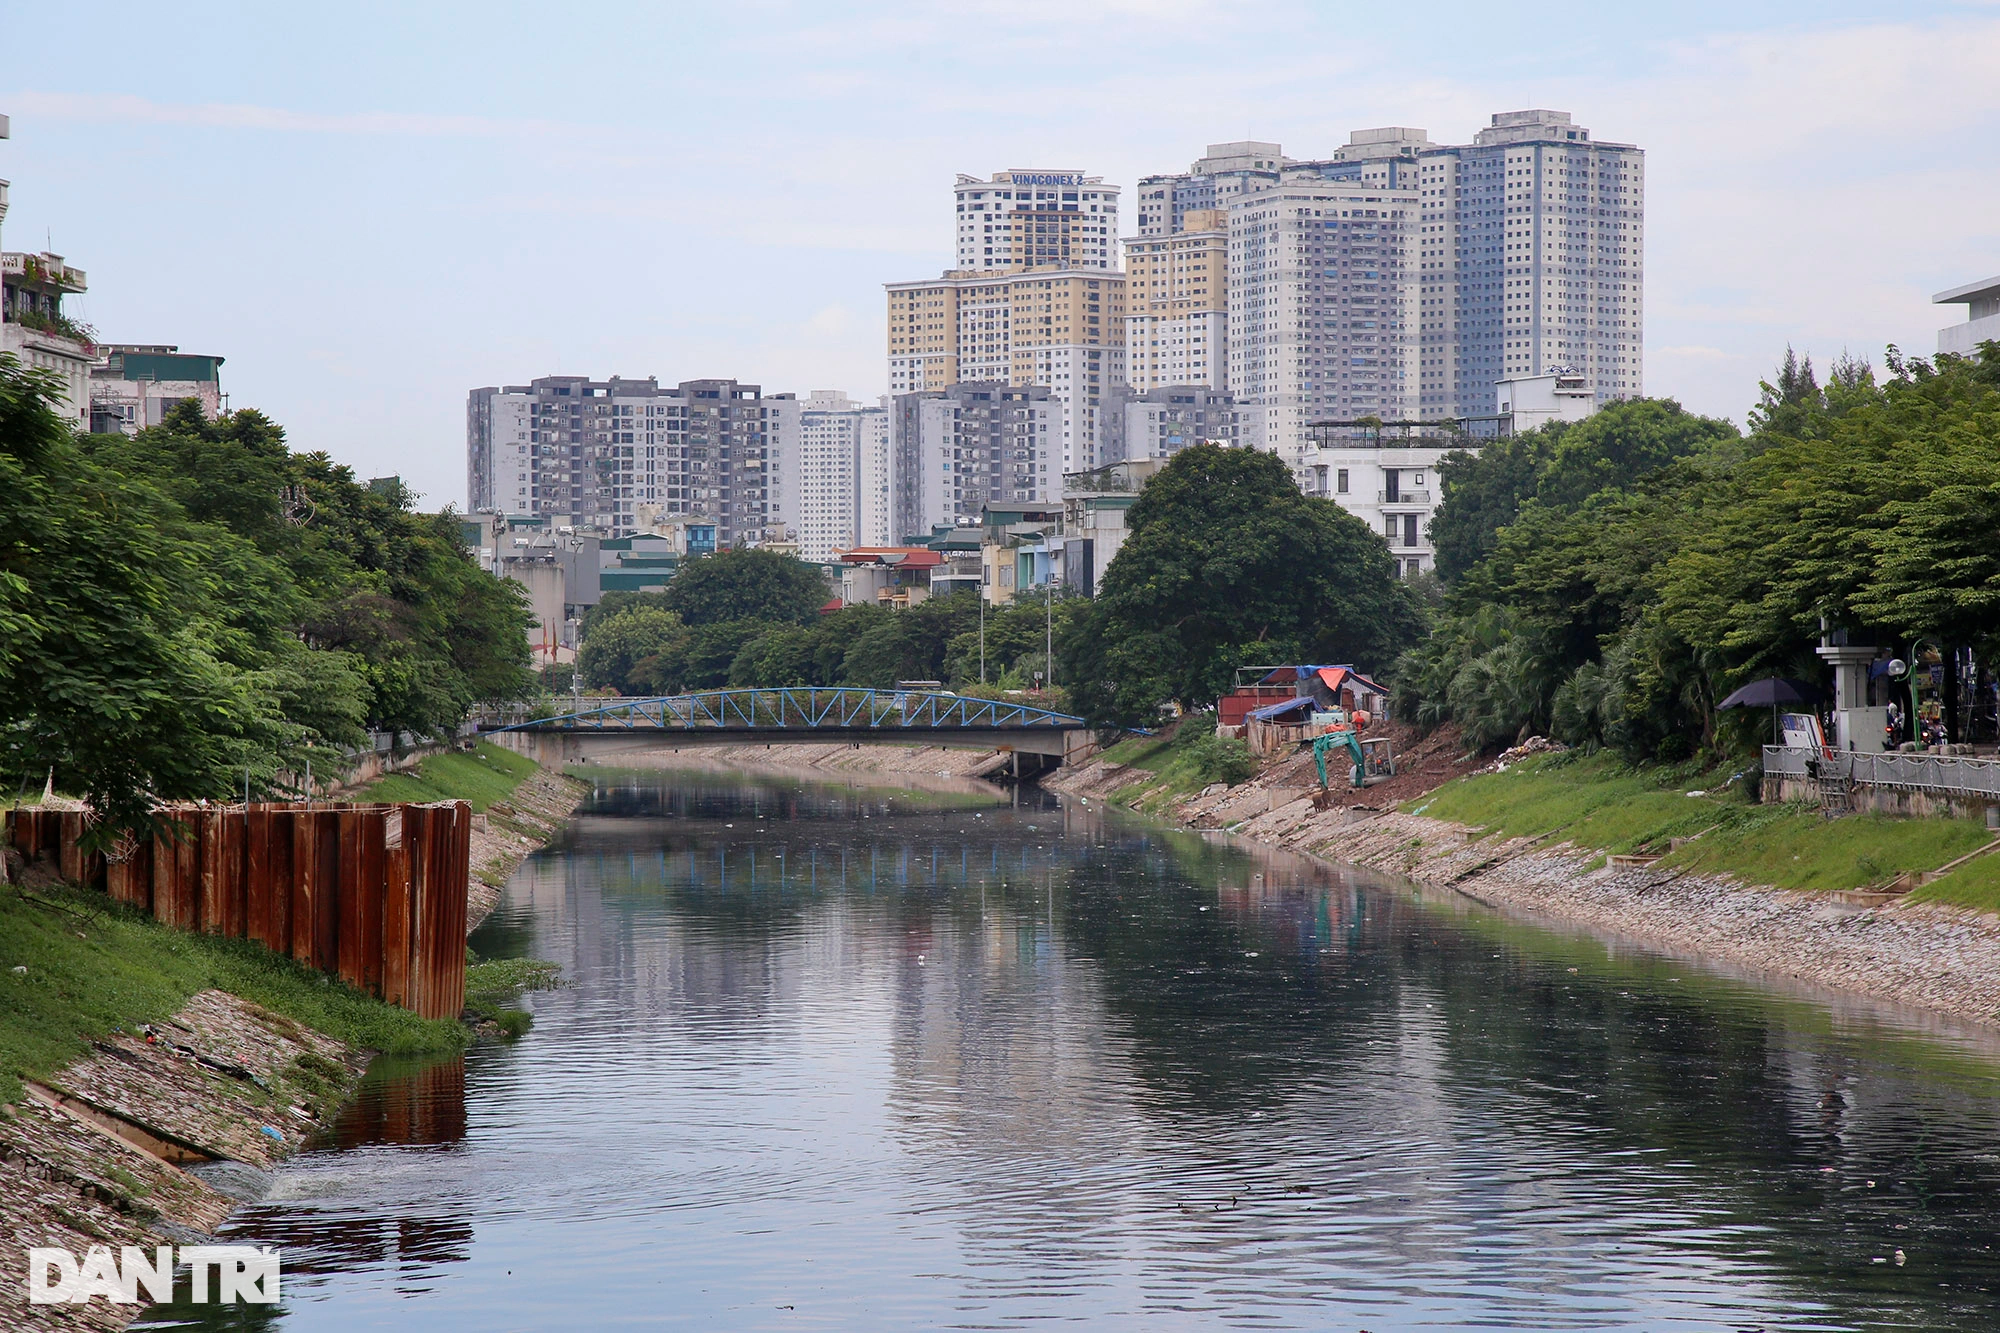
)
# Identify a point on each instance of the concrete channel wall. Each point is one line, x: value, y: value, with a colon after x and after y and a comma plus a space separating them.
x: 373, y: 894
x: 1889, y: 783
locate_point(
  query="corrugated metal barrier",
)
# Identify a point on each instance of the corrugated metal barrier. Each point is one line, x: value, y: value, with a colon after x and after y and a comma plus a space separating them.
x: 374, y: 894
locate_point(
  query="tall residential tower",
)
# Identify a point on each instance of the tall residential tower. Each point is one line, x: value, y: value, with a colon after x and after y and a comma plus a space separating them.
x: 596, y: 451
x: 1532, y: 262
x: 1036, y: 219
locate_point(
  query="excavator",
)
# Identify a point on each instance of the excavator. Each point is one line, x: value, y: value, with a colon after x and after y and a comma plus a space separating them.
x: 1343, y: 732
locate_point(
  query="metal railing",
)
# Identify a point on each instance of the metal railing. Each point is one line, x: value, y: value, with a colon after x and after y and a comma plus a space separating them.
x: 1907, y: 772
x: 798, y: 708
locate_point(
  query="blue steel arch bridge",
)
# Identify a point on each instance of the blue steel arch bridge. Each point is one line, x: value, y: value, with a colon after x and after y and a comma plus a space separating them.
x: 794, y: 715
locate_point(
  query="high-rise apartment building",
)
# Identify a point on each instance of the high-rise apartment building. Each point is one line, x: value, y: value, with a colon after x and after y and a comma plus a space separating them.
x: 1063, y: 328
x: 1532, y: 261
x: 1229, y: 169
x: 1036, y: 219
x: 1321, y: 307
x: 837, y: 478
x: 1160, y: 422
x: 958, y: 449
x: 1177, y: 304
x: 596, y: 450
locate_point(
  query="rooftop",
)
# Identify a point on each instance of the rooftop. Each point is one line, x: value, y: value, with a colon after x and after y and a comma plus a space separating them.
x: 1986, y: 289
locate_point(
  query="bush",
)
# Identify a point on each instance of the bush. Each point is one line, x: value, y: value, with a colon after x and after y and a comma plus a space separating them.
x: 1221, y: 759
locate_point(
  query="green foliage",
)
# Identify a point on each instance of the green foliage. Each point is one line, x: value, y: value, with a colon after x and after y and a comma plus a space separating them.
x: 639, y: 647
x: 492, y: 986
x: 352, y: 568
x: 615, y: 646
x: 1883, y: 516
x: 1558, y: 467
x: 1227, y: 563
x: 480, y: 776
x: 94, y: 966
x: 746, y: 585
x: 1482, y: 492
x: 1221, y: 759
x: 1604, y: 803
x: 198, y: 604
x: 780, y: 655
x: 1975, y: 884
x: 1658, y: 561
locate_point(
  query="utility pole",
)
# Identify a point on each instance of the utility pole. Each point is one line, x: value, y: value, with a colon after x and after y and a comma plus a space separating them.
x: 982, y: 620
x: 1049, y: 626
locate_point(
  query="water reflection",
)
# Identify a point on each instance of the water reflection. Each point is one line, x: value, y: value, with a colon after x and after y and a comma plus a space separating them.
x: 861, y: 1059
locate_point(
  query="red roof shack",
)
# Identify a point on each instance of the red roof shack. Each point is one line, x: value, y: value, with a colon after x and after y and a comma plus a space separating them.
x: 1327, y: 686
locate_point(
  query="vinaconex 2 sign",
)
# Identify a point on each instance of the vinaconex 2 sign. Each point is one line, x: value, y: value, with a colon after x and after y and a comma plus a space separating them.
x: 242, y: 1273
x: 1043, y: 178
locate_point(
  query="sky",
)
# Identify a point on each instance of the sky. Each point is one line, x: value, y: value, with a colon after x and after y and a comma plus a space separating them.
x: 370, y: 209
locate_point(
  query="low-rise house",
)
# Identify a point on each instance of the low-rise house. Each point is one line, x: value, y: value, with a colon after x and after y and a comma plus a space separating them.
x: 135, y: 386
x: 894, y: 576
x: 1093, y: 519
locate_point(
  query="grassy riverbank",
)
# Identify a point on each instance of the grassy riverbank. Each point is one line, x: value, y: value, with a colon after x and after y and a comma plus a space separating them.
x: 480, y: 776
x: 76, y: 966
x: 1176, y: 766
x: 1698, y: 822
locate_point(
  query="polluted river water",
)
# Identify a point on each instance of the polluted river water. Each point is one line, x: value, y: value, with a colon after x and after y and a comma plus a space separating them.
x: 838, y: 1057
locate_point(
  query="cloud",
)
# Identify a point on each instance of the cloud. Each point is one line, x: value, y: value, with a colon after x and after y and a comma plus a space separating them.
x: 123, y: 109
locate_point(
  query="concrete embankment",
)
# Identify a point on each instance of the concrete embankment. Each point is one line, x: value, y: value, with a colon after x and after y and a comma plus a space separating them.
x: 145, y: 1139
x: 1931, y: 956
x: 115, y: 1148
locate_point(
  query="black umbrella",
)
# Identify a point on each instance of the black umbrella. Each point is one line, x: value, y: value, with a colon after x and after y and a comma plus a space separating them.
x: 1769, y: 693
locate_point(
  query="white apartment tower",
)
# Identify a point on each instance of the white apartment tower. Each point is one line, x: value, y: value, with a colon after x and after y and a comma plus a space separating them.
x: 1532, y: 262
x: 838, y: 477
x: 1321, y: 308
x: 1036, y: 219
x: 1228, y: 170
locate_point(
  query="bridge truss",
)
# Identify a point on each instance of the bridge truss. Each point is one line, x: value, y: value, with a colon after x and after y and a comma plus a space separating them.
x: 790, y: 709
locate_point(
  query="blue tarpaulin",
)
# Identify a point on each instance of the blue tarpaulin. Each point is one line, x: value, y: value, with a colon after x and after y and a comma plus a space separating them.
x: 1302, y: 703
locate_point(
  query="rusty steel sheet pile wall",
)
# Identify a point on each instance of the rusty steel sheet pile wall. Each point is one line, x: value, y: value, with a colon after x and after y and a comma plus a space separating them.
x: 374, y: 894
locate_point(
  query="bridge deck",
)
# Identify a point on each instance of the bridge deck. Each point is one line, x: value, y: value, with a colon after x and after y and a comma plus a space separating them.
x: 751, y: 712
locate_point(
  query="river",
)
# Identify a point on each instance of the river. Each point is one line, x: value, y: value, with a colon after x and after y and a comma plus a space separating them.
x: 852, y: 1058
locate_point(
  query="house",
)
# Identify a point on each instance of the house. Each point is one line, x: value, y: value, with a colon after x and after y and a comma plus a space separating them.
x: 895, y: 576
x: 1294, y: 687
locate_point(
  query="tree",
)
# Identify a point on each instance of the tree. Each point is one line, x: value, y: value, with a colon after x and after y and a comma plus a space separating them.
x: 1622, y: 443
x: 138, y: 655
x: 746, y: 585
x: 781, y: 655
x: 348, y: 568
x: 1882, y: 517
x: 1227, y: 563
x: 1481, y: 492
x: 1558, y: 466
x: 611, y: 655
x: 883, y: 654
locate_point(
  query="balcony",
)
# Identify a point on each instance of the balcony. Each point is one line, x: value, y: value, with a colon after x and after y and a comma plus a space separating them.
x: 1404, y: 496
x: 45, y: 270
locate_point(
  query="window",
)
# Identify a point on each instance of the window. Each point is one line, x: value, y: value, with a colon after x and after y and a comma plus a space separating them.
x: 1409, y: 530
x: 1340, y: 481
